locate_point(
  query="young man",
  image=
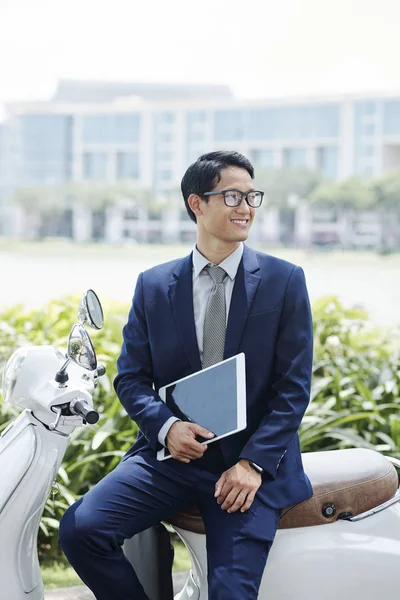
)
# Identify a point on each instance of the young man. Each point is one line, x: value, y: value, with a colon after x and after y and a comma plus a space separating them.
x: 222, y: 299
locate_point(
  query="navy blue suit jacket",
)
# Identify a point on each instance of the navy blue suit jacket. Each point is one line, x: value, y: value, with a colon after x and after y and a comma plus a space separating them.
x: 269, y: 320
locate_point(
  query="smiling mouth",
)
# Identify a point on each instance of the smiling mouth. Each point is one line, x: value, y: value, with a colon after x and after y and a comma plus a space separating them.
x: 240, y: 221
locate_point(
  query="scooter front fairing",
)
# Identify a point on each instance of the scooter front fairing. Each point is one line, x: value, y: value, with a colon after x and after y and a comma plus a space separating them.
x: 30, y: 456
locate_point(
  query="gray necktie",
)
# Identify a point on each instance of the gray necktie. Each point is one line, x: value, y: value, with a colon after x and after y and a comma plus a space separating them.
x: 215, y: 319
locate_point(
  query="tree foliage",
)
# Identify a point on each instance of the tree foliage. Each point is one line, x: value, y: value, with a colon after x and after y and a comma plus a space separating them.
x: 93, y: 194
x: 280, y: 186
x: 354, y: 193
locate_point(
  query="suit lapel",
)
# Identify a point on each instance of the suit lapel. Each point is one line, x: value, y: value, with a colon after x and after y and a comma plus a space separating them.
x: 244, y: 290
x: 181, y: 297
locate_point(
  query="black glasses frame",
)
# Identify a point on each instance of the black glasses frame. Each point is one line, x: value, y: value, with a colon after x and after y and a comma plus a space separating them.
x: 242, y: 195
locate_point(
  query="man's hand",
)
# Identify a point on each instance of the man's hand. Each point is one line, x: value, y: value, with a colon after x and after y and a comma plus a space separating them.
x: 236, y: 488
x: 181, y: 441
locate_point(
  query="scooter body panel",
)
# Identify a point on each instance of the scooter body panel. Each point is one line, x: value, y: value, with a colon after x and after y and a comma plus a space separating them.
x: 17, y: 449
x: 40, y: 452
x: 346, y: 560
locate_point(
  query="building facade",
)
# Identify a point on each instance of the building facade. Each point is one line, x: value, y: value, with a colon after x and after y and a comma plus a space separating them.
x: 148, y: 135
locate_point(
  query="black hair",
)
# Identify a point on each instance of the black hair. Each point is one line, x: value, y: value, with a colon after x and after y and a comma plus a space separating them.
x: 204, y: 174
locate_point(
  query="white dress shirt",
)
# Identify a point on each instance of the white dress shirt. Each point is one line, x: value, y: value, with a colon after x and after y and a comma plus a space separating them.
x: 202, y: 286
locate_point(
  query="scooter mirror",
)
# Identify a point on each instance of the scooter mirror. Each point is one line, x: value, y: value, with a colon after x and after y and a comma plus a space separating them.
x: 90, y: 310
x: 80, y: 348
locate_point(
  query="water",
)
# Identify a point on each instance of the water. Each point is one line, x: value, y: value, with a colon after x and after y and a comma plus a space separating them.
x: 34, y: 278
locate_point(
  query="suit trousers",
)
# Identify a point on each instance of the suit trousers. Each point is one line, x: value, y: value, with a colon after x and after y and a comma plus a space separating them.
x: 139, y: 493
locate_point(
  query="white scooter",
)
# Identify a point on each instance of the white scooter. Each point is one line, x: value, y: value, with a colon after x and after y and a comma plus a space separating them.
x: 342, y: 543
x: 56, y: 393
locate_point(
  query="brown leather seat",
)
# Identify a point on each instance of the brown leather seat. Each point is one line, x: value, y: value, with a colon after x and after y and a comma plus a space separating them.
x: 344, y: 481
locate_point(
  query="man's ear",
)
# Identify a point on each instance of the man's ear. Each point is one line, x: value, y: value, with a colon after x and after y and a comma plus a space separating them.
x: 195, y: 203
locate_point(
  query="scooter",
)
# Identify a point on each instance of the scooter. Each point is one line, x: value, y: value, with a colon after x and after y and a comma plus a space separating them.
x: 344, y: 542
x: 55, y: 392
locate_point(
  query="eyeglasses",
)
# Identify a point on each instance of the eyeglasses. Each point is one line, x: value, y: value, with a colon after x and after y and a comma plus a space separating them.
x: 234, y: 197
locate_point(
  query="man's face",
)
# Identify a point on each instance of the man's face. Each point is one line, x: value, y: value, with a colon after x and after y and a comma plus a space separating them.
x: 226, y: 223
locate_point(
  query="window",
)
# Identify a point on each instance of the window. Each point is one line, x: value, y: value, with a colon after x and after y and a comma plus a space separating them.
x: 196, y: 136
x: 127, y: 165
x: 165, y: 156
x: 274, y: 123
x: 369, y: 108
x: 229, y: 125
x: 195, y: 117
x: 367, y: 151
x: 262, y: 158
x: 165, y: 137
x: 294, y: 157
x: 364, y: 110
x: 126, y: 128
x: 327, y: 161
x: 368, y: 129
x: 391, y: 117
x: 165, y: 175
x: 95, y: 165
x: 293, y: 122
x: 166, y: 118
x: 111, y: 129
x: 45, y: 148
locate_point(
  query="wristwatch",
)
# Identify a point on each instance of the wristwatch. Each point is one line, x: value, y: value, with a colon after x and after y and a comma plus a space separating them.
x: 256, y: 467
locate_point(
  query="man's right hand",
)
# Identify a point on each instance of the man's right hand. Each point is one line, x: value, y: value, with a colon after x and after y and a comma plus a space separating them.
x: 181, y: 441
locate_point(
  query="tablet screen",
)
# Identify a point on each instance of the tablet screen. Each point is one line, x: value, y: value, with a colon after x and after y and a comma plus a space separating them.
x: 214, y: 398
x: 211, y: 402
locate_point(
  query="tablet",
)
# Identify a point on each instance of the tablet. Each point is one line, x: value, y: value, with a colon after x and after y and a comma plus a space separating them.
x: 214, y: 398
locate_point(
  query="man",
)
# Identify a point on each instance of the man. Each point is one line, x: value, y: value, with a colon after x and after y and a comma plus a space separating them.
x: 187, y: 314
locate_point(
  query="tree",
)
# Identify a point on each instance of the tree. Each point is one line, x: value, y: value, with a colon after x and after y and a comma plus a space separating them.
x: 43, y: 208
x: 48, y: 208
x: 284, y: 188
x: 352, y: 193
x: 387, y: 191
x: 281, y: 185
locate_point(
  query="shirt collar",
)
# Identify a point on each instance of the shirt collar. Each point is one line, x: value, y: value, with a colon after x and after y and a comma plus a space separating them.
x: 230, y: 264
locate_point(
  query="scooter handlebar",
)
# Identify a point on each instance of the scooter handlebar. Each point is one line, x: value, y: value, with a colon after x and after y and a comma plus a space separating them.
x: 81, y: 408
x: 101, y: 370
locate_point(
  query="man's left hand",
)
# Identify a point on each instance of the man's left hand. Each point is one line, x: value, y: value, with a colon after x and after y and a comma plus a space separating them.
x: 237, y: 487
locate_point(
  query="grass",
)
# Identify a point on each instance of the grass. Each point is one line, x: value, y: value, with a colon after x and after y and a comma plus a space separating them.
x: 61, y: 575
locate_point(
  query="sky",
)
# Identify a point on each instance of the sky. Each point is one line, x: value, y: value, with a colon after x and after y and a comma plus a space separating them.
x: 261, y: 48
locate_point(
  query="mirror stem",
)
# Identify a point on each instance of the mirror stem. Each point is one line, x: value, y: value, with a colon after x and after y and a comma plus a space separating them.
x: 62, y: 375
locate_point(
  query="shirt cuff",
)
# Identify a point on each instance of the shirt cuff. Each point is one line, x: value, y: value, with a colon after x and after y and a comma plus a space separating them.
x: 162, y: 434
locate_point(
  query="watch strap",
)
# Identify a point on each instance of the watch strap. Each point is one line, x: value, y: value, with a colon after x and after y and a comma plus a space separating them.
x: 256, y: 467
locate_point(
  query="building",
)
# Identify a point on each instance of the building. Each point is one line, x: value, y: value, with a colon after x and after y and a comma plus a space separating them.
x: 148, y: 134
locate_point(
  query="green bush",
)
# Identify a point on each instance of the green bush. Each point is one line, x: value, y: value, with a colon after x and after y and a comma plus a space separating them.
x: 355, y: 393
x: 356, y: 384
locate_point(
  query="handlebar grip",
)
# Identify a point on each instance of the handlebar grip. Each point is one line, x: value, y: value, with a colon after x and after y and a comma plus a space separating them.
x: 82, y: 409
x: 101, y: 370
